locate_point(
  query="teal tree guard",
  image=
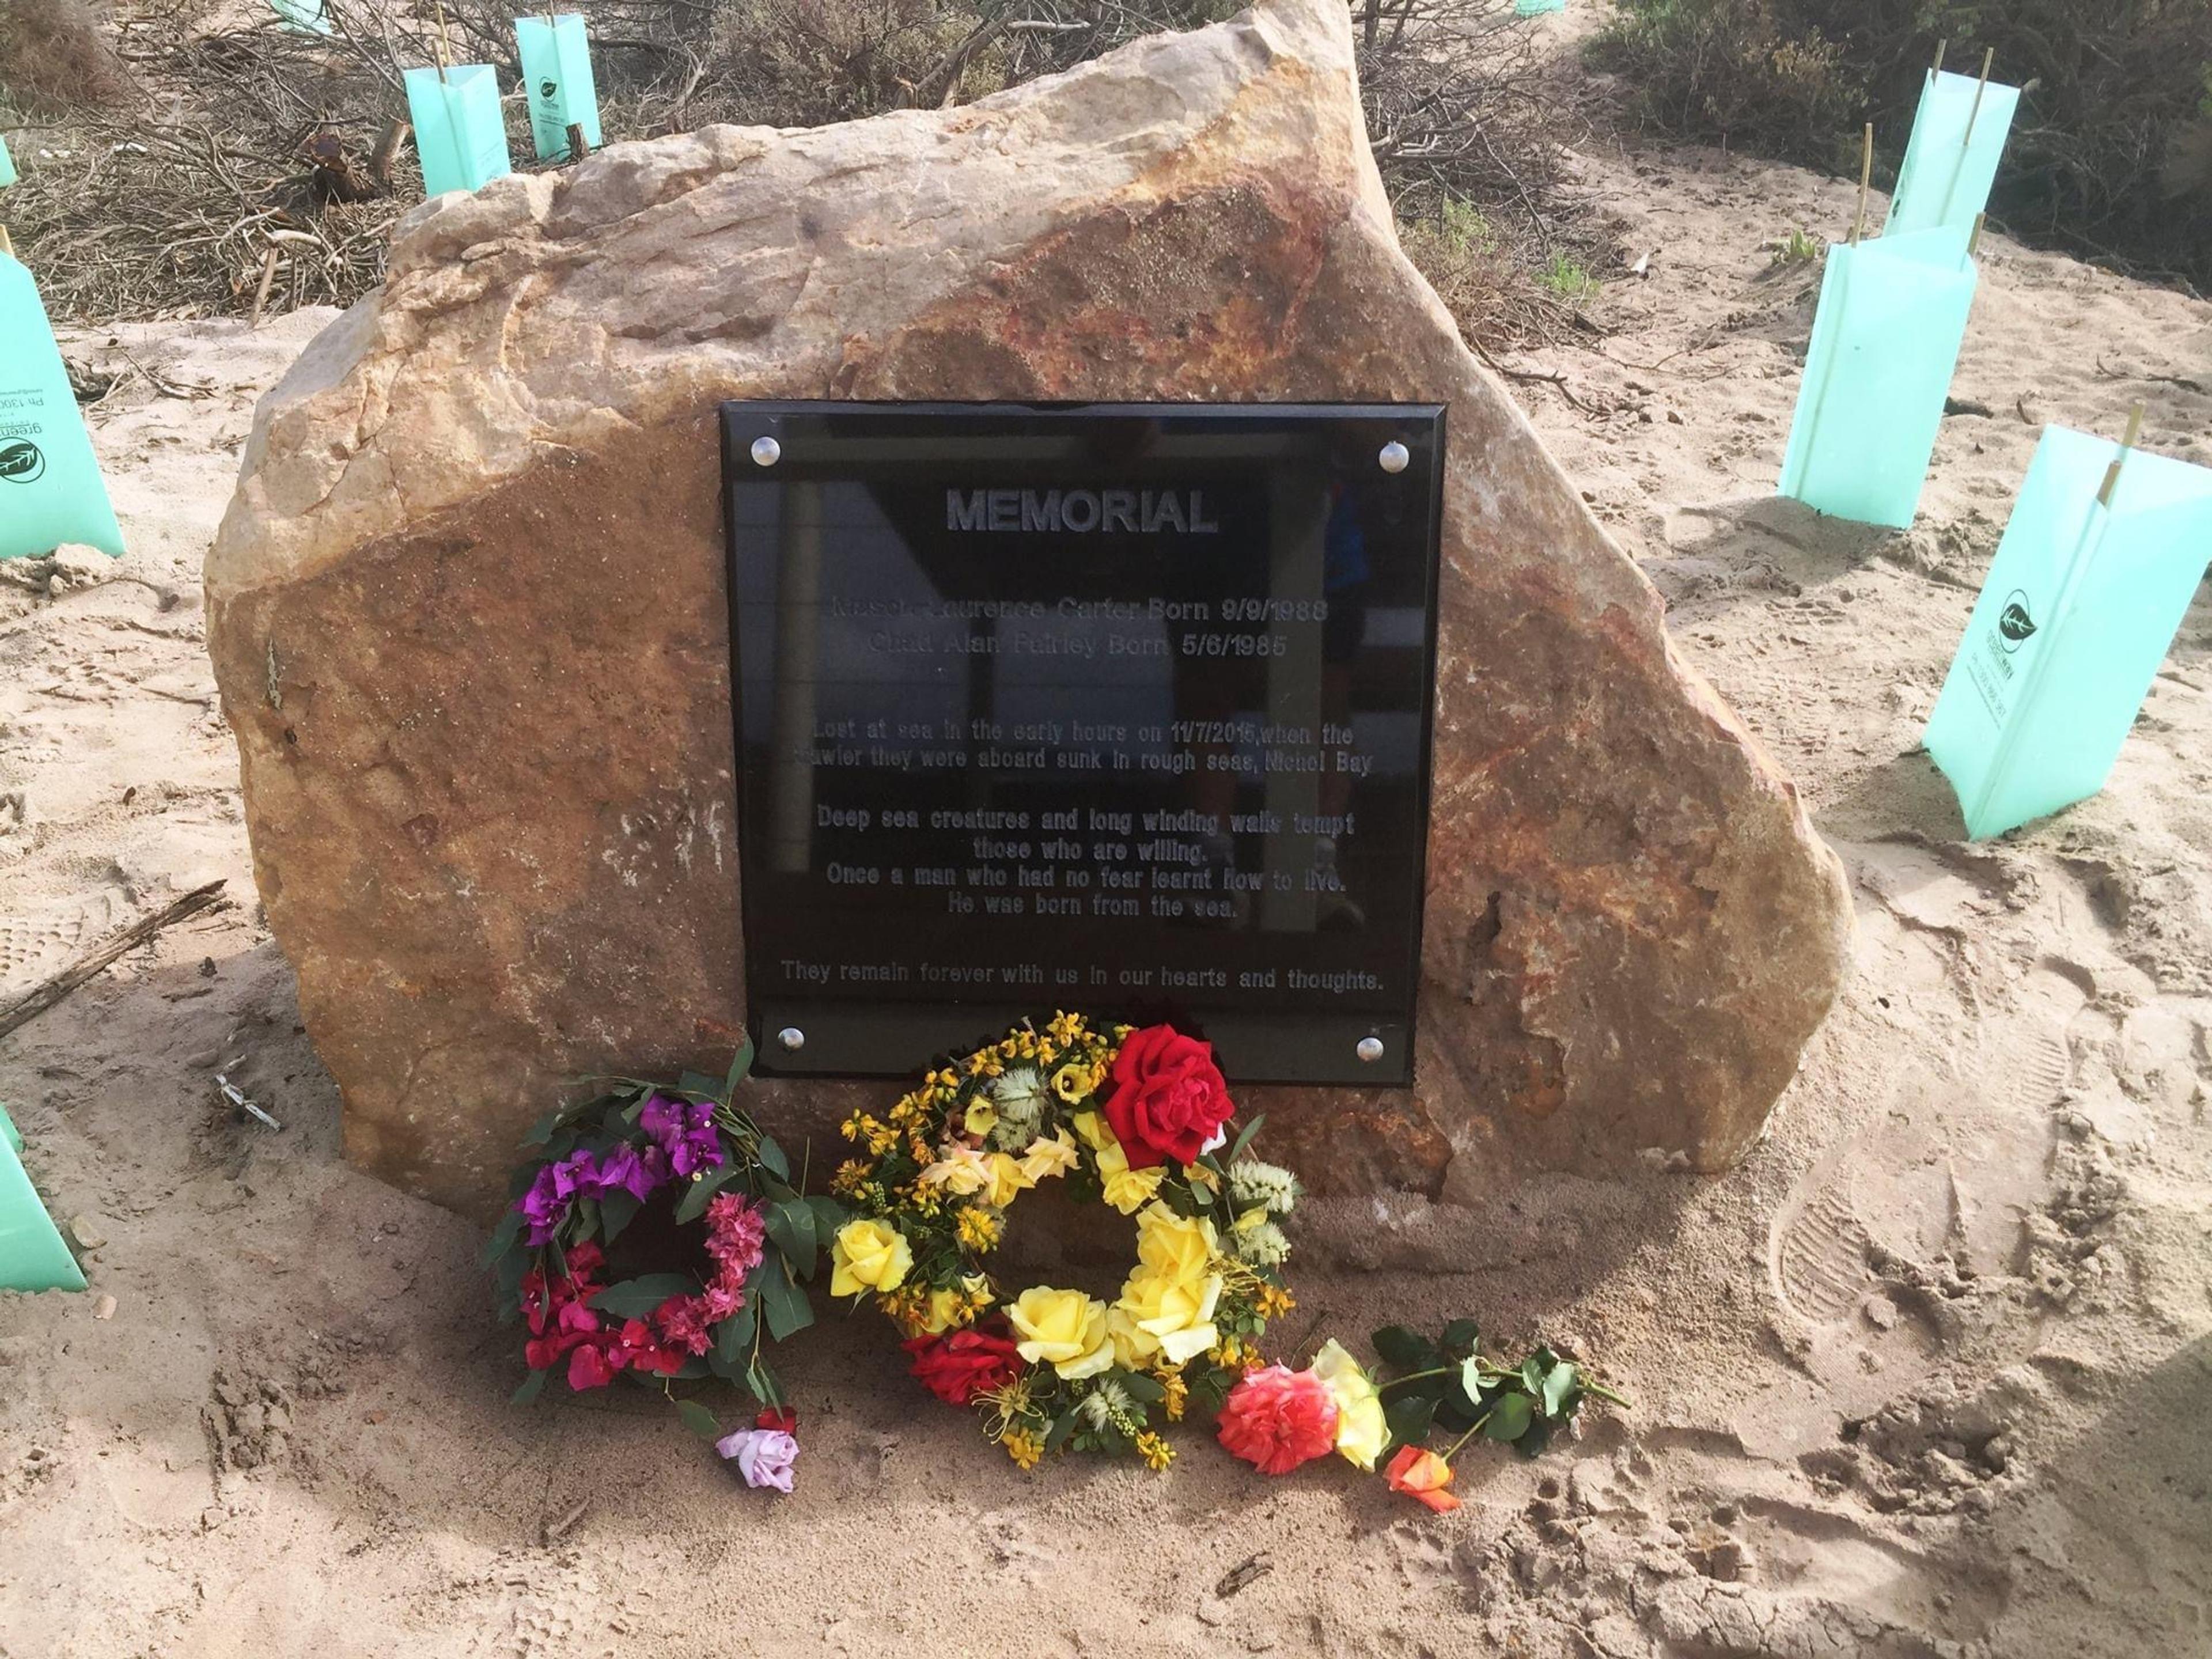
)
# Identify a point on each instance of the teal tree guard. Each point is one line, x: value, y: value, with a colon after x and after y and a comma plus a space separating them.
x: 557, y: 79
x: 302, y: 16
x: 1532, y: 8
x: 1958, y: 136
x: 31, y: 1255
x: 2081, y: 603
x: 460, y: 132
x: 7, y: 165
x: 1885, y: 339
x: 50, y: 491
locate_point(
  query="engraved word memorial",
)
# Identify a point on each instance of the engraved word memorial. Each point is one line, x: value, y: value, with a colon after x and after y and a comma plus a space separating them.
x: 1124, y: 708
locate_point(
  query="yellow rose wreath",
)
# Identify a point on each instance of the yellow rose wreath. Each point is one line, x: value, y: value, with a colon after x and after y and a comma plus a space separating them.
x: 1137, y: 1120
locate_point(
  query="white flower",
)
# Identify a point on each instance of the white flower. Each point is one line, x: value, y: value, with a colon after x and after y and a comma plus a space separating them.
x: 1252, y: 1184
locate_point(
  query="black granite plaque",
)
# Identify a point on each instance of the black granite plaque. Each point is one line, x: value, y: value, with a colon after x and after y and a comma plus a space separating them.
x: 1122, y: 707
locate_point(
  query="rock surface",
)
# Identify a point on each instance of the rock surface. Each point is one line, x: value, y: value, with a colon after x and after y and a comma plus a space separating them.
x: 468, y: 615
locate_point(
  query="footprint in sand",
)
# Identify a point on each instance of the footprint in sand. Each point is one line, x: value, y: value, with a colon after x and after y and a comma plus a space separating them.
x: 37, y: 942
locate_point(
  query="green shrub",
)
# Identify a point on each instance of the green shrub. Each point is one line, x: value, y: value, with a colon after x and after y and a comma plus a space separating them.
x: 2111, y: 153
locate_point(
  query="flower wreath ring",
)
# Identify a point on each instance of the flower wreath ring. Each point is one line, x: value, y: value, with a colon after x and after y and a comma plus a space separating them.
x: 1136, y: 1119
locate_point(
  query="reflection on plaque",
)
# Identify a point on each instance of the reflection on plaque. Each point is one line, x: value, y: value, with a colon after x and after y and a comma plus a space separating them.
x: 1123, y: 709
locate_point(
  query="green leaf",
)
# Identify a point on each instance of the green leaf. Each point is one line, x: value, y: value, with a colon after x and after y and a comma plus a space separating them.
x: 735, y: 1334
x: 783, y: 1304
x: 698, y: 1082
x: 1563, y: 1390
x: 761, y: 1381
x: 507, y: 1277
x: 1532, y: 1373
x: 1470, y: 1377
x: 697, y: 1418
x: 740, y: 1069
x: 1140, y: 1387
x: 1243, y: 1140
x: 501, y: 1237
x: 773, y: 1160
x: 617, y: 1210
x: 694, y: 1203
x: 532, y: 1385
x: 542, y: 1130
x: 791, y: 1226
x: 1057, y: 1437
x: 1405, y: 1350
x: 1510, y: 1417
x: 830, y: 1216
x: 1410, y: 1420
x: 634, y: 1298
x: 1461, y: 1338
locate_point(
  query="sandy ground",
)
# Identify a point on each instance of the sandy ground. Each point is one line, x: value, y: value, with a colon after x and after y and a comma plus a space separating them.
x: 1927, y: 1375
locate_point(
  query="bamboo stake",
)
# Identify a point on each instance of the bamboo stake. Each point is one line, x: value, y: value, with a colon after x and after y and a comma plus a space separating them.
x: 1866, y: 178
x: 1974, y: 114
x: 2113, y: 472
x: 7, y: 247
x: 445, y: 48
x: 1974, y: 241
x: 1941, y: 46
x: 261, y: 293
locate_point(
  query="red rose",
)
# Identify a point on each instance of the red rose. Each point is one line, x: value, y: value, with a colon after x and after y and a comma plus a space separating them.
x: 958, y: 1365
x: 778, y: 1417
x: 1277, y: 1418
x: 1168, y: 1097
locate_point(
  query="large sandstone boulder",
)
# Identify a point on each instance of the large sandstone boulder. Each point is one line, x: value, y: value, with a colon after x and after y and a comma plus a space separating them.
x: 468, y: 612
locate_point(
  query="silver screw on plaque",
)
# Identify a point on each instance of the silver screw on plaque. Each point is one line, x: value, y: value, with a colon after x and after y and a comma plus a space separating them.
x: 1371, y: 1047
x: 766, y: 452
x: 1394, y: 457
x: 790, y: 1037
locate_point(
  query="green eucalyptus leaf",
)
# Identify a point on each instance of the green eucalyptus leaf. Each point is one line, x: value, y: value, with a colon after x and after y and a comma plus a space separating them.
x: 1244, y: 1141
x: 761, y: 1381
x: 694, y: 1203
x: 617, y: 1210
x: 1510, y: 1417
x: 542, y: 1130
x: 735, y: 1334
x: 634, y: 1298
x: 830, y: 1216
x: 1066, y: 1427
x: 1404, y: 1350
x: 740, y: 1069
x: 532, y: 1386
x: 504, y: 1235
x: 790, y: 1227
x: 783, y: 1304
x: 697, y: 1418
x: 698, y: 1082
x: 509, y: 1275
x: 773, y: 1160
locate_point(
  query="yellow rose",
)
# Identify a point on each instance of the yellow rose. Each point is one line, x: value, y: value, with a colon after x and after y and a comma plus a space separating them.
x: 1127, y: 1190
x: 1134, y: 1347
x: 1064, y: 1329
x: 960, y: 1170
x: 1091, y: 1126
x: 1007, y: 1178
x: 941, y: 1310
x: 1361, y: 1431
x: 1048, y: 1157
x: 1177, y: 1314
x: 1176, y: 1246
x: 868, y: 1255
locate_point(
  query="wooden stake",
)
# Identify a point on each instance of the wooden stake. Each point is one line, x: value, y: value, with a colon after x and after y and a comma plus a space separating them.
x: 2113, y: 472
x: 1941, y: 46
x: 444, y: 48
x: 261, y: 293
x: 1974, y: 241
x: 578, y: 147
x: 7, y: 247
x: 1866, y: 178
x: 1974, y: 114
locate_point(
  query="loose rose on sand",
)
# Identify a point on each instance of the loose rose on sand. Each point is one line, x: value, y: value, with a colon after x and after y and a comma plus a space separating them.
x: 1361, y: 1429
x: 1168, y: 1098
x: 1422, y: 1476
x: 1277, y: 1418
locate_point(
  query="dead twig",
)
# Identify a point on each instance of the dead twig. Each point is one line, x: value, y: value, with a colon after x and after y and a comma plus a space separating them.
x: 55, y: 989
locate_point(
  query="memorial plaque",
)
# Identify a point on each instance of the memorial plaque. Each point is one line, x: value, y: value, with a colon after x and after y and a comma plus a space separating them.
x: 1117, y: 708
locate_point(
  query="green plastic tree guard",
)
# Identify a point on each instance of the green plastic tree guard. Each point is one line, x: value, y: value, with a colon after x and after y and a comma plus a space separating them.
x: 302, y: 16
x: 1958, y: 137
x: 31, y: 1255
x: 2079, y: 608
x: 1886, y: 339
x: 460, y: 132
x: 7, y: 165
x: 1532, y: 8
x: 557, y: 77
x: 51, y: 489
